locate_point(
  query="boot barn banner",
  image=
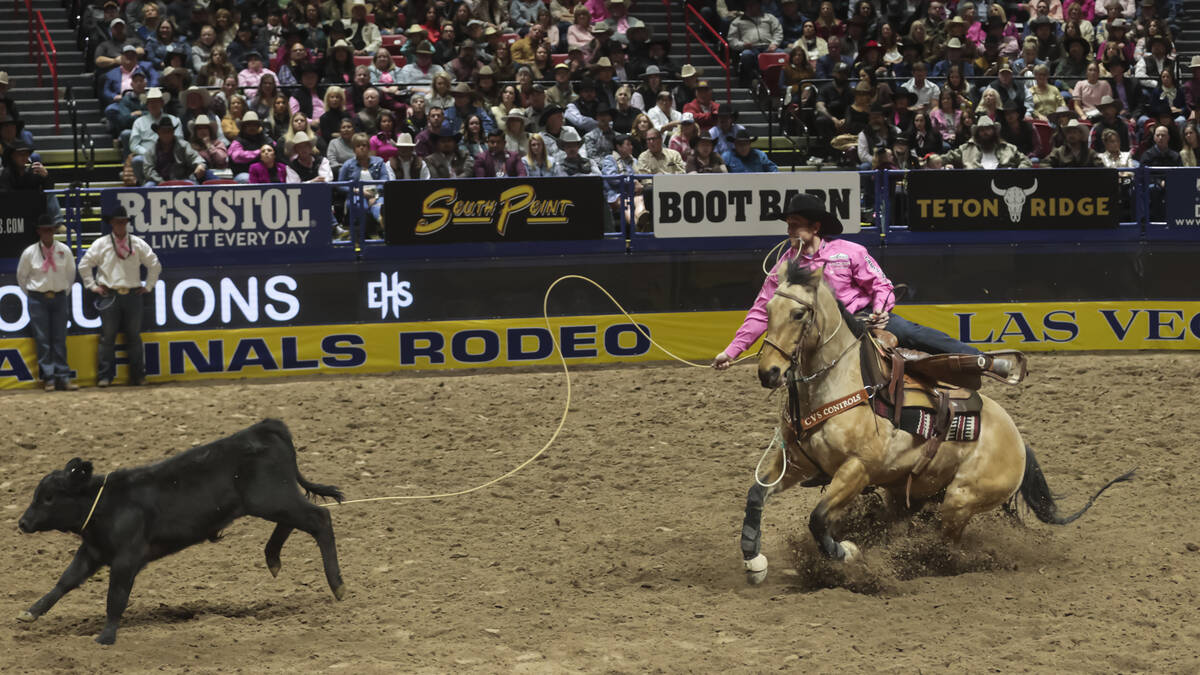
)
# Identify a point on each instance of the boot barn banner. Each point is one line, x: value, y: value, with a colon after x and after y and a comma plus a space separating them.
x: 1012, y: 200
x: 18, y: 225
x: 493, y: 210
x: 747, y: 205
x: 289, y: 321
x: 1183, y: 198
x: 221, y: 218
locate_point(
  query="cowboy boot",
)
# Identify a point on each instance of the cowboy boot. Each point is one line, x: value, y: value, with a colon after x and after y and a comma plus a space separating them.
x: 1009, y: 367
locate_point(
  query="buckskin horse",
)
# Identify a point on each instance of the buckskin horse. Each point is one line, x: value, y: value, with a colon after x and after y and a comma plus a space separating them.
x: 836, y: 426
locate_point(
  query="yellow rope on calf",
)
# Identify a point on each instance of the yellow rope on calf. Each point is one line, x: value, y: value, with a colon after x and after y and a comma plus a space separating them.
x: 94, y: 503
x: 566, y: 405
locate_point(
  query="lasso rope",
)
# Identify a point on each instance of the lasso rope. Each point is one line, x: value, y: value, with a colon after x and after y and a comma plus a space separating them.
x: 562, y: 420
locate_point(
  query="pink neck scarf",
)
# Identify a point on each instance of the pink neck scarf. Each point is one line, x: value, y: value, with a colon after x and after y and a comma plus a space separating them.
x: 48, y: 258
x: 122, y: 246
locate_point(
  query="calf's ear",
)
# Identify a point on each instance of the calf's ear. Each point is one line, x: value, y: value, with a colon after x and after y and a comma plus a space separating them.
x: 79, y: 472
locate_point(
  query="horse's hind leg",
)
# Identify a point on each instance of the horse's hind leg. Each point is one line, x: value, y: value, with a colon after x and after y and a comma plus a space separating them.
x: 847, y: 483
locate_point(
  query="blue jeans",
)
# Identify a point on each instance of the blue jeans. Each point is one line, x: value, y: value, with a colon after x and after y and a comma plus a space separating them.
x: 916, y: 336
x: 48, y: 318
x: 123, y: 315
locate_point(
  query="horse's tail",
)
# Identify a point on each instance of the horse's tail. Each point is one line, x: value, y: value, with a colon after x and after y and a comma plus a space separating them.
x: 1039, y: 498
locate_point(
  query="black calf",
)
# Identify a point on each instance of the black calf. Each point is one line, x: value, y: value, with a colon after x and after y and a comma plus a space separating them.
x: 146, y: 513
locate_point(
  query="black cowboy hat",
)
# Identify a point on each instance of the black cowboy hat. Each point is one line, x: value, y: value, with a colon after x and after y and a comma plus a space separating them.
x: 744, y: 135
x: 117, y: 212
x: 910, y: 96
x: 550, y: 110
x: 1014, y: 106
x: 695, y: 140
x: 1087, y: 47
x: 813, y: 209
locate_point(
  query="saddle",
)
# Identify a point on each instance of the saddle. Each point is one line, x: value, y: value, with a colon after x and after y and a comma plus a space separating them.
x: 934, y: 397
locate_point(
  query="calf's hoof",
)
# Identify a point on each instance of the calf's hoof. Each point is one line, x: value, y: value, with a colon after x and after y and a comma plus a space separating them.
x: 756, y: 569
x: 849, y: 551
x: 273, y: 569
x: 26, y: 617
x: 106, y: 639
x: 340, y: 592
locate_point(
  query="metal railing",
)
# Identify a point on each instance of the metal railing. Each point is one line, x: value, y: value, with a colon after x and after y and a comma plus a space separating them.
x: 46, y: 52
x: 82, y: 143
x: 690, y: 13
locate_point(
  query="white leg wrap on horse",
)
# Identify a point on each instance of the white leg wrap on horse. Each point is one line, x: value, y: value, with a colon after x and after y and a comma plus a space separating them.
x: 849, y: 550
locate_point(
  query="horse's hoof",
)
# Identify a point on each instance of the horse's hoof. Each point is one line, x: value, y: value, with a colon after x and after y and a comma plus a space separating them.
x: 756, y: 569
x: 26, y: 617
x: 850, y: 552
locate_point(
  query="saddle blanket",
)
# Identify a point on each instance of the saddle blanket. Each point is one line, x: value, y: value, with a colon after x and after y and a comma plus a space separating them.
x: 919, y: 422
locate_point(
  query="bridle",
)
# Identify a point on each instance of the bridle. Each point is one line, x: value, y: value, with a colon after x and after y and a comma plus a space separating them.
x: 807, y: 323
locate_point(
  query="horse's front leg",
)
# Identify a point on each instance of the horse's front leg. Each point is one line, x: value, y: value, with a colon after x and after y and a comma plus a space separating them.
x: 753, y: 560
x: 847, y: 483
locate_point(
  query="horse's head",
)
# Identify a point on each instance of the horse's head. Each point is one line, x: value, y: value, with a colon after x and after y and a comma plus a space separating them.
x: 793, y: 325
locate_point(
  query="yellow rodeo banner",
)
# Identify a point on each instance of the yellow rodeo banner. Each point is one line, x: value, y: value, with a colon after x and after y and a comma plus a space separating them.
x: 490, y: 343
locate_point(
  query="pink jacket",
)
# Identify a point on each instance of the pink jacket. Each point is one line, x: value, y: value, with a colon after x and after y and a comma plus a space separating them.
x: 853, y: 274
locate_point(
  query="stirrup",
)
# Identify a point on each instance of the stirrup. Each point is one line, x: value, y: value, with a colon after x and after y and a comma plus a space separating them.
x: 820, y: 479
x: 1020, y: 366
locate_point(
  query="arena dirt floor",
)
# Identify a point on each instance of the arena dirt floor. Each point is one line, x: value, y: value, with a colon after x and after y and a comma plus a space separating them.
x: 617, y: 552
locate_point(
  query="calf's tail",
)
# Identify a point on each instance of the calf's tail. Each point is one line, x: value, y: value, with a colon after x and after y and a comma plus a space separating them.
x: 310, y: 489
x: 1037, y: 493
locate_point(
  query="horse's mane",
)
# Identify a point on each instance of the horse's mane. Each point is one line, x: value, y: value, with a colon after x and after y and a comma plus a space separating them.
x: 803, y: 274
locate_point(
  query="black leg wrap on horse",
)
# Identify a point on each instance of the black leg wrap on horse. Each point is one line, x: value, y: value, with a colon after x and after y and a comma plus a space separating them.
x: 752, y: 525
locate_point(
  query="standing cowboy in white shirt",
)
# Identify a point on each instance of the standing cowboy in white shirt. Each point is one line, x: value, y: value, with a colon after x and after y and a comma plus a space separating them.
x: 118, y: 258
x: 46, y: 272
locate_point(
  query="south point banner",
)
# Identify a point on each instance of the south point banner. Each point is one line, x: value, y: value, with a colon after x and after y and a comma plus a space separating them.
x: 271, y: 351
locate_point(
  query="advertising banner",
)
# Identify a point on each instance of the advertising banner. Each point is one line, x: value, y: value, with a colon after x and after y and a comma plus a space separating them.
x: 493, y: 210
x: 228, y: 217
x: 271, y: 351
x: 18, y: 226
x: 747, y: 205
x: 1183, y: 198
x: 1008, y: 199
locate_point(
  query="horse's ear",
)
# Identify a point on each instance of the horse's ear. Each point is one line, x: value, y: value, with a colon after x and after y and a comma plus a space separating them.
x: 818, y: 273
x: 781, y: 273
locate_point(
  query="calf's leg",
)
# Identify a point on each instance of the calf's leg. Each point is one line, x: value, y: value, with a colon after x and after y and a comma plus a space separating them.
x: 81, y: 568
x: 274, y: 545
x: 120, y: 583
x: 302, y: 515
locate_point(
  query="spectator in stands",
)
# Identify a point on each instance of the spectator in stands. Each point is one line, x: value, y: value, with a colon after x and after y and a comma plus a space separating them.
x: 659, y: 160
x: 986, y: 150
x: 383, y: 143
x: 242, y: 46
x: 1023, y: 65
x: 307, y: 98
x: 926, y: 91
x: 703, y: 108
x: 246, y: 147
x: 163, y: 37
x: 663, y: 115
x: 522, y: 14
x: 646, y: 94
x: 306, y: 166
x: 406, y: 165
x: 1073, y: 67
x: 899, y: 114
x: 448, y: 159
x: 989, y: 105
x: 523, y: 50
x: 341, y: 148
x: 129, y: 107
x: 142, y: 132
x: 581, y: 113
x: 196, y: 102
x: 954, y: 57
x: 923, y: 138
x: 496, y: 161
x: 339, y: 64
x: 1042, y: 98
x: 600, y: 140
x: 267, y: 169
x: 262, y: 101
x: 1109, y: 121
x: 1125, y: 90
x: 110, y: 52
x: 217, y: 70
x: 573, y: 163
x: 1007, y: 87
x: 833, y: 103
x: 516, y: 138
x: 439, y: 94
x: 252, y: 75
x: 1088, y: 93
x: 464, y: 107
x: 465, y: 66
x: 878, y: 133
x: 173, y: 82
x: 297, y: 59
x: 502, y: 63
x: 1169, y: 98
x: 229, y: 122
x: 383, y: 69
x: 702, y: 158
x: 508, y: 102
x: 828, y: 25
x: 1075, y: 152
x: 118, y: 80
x: 561, y: 93
x: 725, y: 130
x: 367, y: 117
x: 207, y: 143
x: 1190, y: 154
x: 169, y: 158
x: 1015, y: 130
x: 827, y: 65
x: 641, y: 126
x: 474, y: 138
x: 551, y: 126
x: 538, y: 160
x: 334, y: 105
x: 366, y: 167
x: 298, y: 123
x: 622, y: 163
x: 364, y: 37
x: 751, y: 34
x: 422, y: 69
x: 22, y: 173
x: 625, y: 112
x: 427, y: 137
x: 1113, y: 156
x: 12, y: 134
x: 681, y: 141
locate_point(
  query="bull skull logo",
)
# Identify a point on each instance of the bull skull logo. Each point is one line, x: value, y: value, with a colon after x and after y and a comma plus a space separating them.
x: 1014, y: 198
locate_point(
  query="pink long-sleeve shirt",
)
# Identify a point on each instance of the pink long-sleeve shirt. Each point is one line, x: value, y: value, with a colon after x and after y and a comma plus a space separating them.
x: 855, y: 277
